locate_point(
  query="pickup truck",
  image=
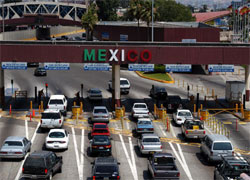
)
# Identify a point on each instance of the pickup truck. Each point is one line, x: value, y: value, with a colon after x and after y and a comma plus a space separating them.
x: 42, y: 165
x: 193, y: 129
x: 58, y: 102
x: 140, y: 110
x: 162, y: 166
x: 124, y: 85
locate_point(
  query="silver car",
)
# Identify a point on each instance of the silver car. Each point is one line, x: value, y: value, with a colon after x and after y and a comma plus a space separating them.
x: 100, y: 114
x: 95, y: 94
x: 149, y: 144
x: 15, y: 147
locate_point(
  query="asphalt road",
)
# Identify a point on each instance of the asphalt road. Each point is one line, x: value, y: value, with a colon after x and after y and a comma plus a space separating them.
x: 124, y: 147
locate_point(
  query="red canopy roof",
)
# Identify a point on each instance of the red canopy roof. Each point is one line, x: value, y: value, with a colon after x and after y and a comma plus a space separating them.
x: 208, y: 16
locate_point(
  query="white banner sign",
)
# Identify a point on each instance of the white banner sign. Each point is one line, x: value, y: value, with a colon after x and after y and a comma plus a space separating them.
x: 56, y: 66
x: 178, y: 67
x: 141, y: 67
x: 220, y: 68
x: 14, y: 65
x: 96, y: 67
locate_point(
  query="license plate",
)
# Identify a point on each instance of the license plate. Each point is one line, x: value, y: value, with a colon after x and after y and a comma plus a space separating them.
x: 101, y: 148
x: 33, y: 176
x: 56, y: 146
x: 195, y: 136
x: 151, y: 152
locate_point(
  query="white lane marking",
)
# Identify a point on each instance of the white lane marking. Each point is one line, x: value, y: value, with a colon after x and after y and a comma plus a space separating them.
x: 76, y: 152
x: 32, y: 140
x: 172, y: 130
x: 163, y: 132
x: 184, y: 162
x: 133, y: 157
x: 82, y: 153
x: 127, y: 156
x: 26, y: 129
x: 128, y: 127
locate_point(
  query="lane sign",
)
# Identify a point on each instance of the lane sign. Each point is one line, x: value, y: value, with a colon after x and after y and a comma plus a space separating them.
x: 141, y: 67
x: 178, y: 67
x: 14, y: 65
x: 96, y: 67
x: 220, y: 68
x: 56, y: 66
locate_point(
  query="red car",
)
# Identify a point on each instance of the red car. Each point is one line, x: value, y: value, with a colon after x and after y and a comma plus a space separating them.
x: 100, y: 129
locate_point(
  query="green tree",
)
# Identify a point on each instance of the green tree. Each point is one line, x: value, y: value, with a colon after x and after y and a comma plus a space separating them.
x: 89, y: 20
x: 136, y: 10
x: 171, y: 11
x: 107, y: 9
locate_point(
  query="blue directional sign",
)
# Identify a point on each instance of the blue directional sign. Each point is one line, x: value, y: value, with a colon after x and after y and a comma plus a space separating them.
x: 178, y: 67
x: 220, y: 68
x: 141, y: 67
x: 96, y: 67
x: 14, y: 65
x: 56, y: 66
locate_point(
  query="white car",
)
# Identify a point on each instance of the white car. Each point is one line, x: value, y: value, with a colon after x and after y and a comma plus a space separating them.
x: 58, y: 102
x: 95, y: 94
x: 181, y: 115
x: 57, y: 139
x: 140, y: 110
x: 52, y: 118
x: 124, y: 85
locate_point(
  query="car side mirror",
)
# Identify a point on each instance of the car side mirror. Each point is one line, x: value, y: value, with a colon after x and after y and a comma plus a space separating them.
x: 118, y: 163
x: 92, y: 163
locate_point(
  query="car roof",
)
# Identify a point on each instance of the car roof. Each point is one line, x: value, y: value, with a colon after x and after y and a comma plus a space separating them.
x: 232, y: 160
x: 163, y: 155
x: 100, y: 107
x: 105, y: 160
x: 123, y: 79
x: 51, y: 111
x: 101, y: 136
x: 57, y: 130
x: 14, y: 138
x: 57, y: 96
x: 184, y: 110
x: 144, y: 119
x: 149, y: 135
x: 95, y: 89
x: 140, y: 103
x: 218, y: 137
x: 40, y: 153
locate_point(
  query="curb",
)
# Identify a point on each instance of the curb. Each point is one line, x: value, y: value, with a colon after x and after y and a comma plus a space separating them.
x: 162, y: 81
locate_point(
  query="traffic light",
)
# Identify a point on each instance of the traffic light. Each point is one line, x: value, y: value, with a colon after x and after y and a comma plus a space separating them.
x: 46, y: 85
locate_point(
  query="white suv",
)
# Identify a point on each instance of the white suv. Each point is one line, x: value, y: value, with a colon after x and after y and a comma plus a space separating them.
x: 58, y: 102
x: 51, y: 118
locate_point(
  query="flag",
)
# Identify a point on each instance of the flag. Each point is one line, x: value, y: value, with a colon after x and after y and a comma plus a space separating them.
x: 243, y: 10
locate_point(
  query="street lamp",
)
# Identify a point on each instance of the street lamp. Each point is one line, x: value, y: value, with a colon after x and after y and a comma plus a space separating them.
x: 152, y: 20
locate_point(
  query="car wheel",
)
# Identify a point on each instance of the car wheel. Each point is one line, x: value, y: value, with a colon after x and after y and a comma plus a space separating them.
x: 50, y: 176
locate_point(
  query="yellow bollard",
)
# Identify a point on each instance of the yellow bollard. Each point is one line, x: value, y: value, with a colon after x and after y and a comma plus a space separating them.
x: 199, y: 113
x: 123, y: 110
x: 212, y: 92
x: 194, y: 108
x: 161, y: 105
x: 178, y: 82
x: 74, y: 103
x: 201, y: 106
x: 236, y: 107
x: 242, y: 110
x: 216, y: 127
x: 81, y: 107
x: 39, y: 109
x: 42, y: 106
x: 155, y: 113
x: 30, y: 105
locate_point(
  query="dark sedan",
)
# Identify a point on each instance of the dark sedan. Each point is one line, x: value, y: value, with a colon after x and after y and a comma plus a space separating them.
x: 158, y: 92
x: 100, y: 144
x: 40, y: 71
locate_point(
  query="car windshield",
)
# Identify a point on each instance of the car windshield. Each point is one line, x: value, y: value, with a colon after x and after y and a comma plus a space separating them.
x: 151, y: 140
x: 51, y: 116
x: 56, y: 101
x: 222, y: 146
x: 95, y: 91
x: 41, y: 69
x: 100, y: 131
x: 100, y: 126
x: 142, y: 106
x: 160, y: 90
x: 123, y: 82
x: 101, y: 140
x: 34, y: 162
x: 100, y: 111
x: 184, y: 114
x: 163, y: 161
x: 13, y: 143
x: 57, y: 135
x: 103, y: 169
x: 191, y: 124
x: 144, y: 122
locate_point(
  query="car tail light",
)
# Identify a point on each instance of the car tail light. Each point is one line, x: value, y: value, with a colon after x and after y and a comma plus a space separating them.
x: 140, y: 129
x: 151, y: 129
x: 22, y: 169
x: 109, y: 146
x: 18, y: 152
x: 94, y: 147
x: 178, y: 119
x: 48, y: 107
x: 232, y: 153
x: 60, y: 121
x: 161, y: 147
x: 142, y: 147
x: 46, y: 171
x: 204, y: 132
x: 118, y: 177
x: 186, y: 132
x: 93, y: 177
x: 41, y: 121
x: 178, y: 174
x: 3, y: 152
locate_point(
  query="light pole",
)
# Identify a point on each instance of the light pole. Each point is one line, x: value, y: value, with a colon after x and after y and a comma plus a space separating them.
x: 152, y: 20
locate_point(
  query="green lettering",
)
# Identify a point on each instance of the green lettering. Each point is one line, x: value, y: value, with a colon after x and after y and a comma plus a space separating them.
x: 101, y: 54
x: 89, y: 57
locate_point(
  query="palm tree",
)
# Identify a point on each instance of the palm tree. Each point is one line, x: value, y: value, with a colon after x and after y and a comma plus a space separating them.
x: 147, y: 14
x: 89, y: 20
x: 136, y: 9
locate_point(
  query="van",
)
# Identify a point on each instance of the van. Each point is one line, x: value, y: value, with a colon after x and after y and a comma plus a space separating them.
x: 51, y: 118
x: 214, y: 146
